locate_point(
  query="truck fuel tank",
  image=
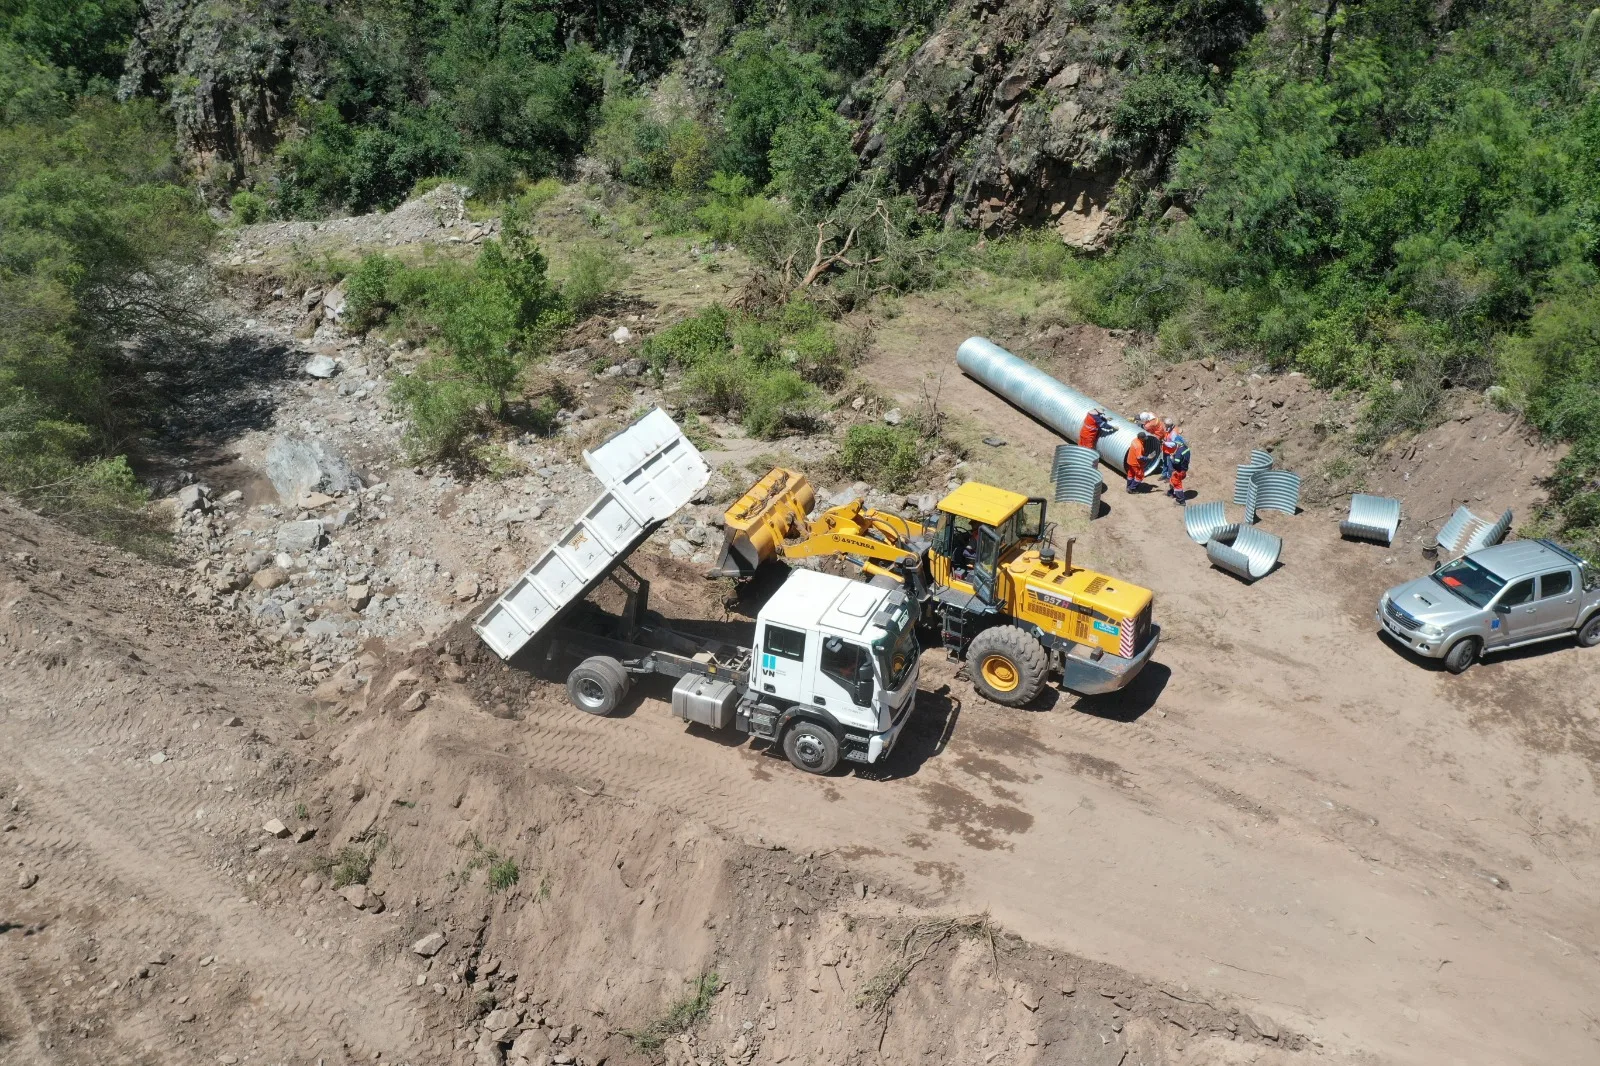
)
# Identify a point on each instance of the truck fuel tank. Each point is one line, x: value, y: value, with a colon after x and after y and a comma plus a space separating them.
x: 707, y: 700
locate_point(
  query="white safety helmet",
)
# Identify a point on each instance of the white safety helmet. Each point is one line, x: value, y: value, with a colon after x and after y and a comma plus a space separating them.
x: 1145, y: 416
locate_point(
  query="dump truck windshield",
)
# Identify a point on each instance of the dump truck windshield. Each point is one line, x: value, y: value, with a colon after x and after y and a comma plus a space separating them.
x: 897, y: 649
x: 1469, y: 581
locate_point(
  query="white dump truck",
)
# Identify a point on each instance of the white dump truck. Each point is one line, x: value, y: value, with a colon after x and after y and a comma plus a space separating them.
x: 831, y: 675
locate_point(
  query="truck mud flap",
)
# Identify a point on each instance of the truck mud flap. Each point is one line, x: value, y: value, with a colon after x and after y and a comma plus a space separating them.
x: 1110, y: 673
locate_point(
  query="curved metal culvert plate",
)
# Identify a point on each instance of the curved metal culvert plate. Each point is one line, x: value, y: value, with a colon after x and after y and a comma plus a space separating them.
x: 1277, y: 490
x: 1462, y: 525
x: 1244, y: 480
x: 1079, y: 486
x: 1488, y: 535
x: 1251, y: 556
x: 1075, y: 457
x: 1203, y: 521
x: 1373, y: 518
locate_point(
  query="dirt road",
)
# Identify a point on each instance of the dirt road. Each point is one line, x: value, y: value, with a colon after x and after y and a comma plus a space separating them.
x: 1284, y: 807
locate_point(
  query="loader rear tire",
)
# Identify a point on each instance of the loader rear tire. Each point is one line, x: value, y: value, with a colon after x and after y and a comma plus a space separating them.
x: 598, y: 684
x: 1008, y: 665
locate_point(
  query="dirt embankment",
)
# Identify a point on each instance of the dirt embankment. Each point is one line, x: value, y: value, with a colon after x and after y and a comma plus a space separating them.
x: 158, y: 914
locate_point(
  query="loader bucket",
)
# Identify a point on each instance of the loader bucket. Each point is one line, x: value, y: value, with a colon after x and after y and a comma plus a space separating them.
x: 762, y: 519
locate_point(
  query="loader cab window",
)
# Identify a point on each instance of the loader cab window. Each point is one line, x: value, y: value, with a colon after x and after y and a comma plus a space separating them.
x: 1030, y: 520
x: 957, y: 540
x: 849, y: 665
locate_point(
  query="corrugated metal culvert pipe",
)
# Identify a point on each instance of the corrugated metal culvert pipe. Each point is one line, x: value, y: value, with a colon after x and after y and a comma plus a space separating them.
x: 1058, y: 406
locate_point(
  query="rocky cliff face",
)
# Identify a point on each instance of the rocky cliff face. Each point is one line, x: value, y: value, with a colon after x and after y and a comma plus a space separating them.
x: 227, y: 70
x: 1004, y: 116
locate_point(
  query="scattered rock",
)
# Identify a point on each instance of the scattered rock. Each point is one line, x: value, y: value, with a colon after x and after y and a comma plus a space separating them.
x: 415, y: 702
x: 314, y: 501
x: 274, y: 827
x: 269, y: 578
x: 233, y: 720
x: 1264, y: 1025
x: 1028, y: 997
x: 362, y: 898
x: 467, y: 589
x: 191, y: 498
x: 894, y: 416
x: 297, y: 467
x: 357, y: 596
x: 321, y: 366
x: 297, y: 537
x: 159, y: 757
x: 501, y: 1020
x: 27, y: 879
x: 995, y: 442
x: 304, y: 833
x: 430, y: 945
x: 310, y: 883
x: 622, y: 335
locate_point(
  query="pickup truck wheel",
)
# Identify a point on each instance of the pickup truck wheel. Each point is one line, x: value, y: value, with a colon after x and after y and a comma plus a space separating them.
x: 1462, y: 654
x: 1008, y: 665
x: 597, y: 684
x: 1589, y: 635
x: 811, y: 747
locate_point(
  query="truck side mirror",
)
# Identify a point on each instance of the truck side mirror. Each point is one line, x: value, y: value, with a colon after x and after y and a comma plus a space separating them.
x: 1502, y: 608
x: 862, y: 695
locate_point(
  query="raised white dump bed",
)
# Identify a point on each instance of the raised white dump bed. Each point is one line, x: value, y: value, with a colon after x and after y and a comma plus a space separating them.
x: 650, y: 471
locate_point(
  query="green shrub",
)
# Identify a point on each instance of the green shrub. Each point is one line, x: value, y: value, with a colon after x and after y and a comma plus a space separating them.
x: 503, y: 874
x: 766, y: 83
x: 368, y: 299
x: 758, y: 342
x: 888, y: 456
x: 249, y: 208
x: 778, y: 401
x: 704, y: 335
x: 717, y: 386
x: 811, y: 158
x: 680, y: 1017
x: 593, y: 275
x: 445, y: 413
x: 819, y: 358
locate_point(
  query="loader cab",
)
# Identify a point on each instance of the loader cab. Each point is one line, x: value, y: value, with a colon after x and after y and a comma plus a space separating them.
x: 980, y: 527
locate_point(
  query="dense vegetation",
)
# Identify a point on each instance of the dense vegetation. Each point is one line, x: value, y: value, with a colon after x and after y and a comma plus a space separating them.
x: 1400, y: 198
x: 100, y: 245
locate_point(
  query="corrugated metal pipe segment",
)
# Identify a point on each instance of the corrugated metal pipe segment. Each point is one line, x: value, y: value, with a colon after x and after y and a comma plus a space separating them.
x: 1488, y: 535
x: 1251, y: 555
x: 1244, y: 480
x: 1058, y: 406
x: 1455, y: 532
x: 1076, y: 474
x: 1277, y: 490
x: 1374, y: 518
x: 1203, y: 521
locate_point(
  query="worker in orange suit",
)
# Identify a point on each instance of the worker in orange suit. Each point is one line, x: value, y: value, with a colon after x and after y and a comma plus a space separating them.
x: 1179, y: 465
x: 1135, y: 464
x: 1095, y: 426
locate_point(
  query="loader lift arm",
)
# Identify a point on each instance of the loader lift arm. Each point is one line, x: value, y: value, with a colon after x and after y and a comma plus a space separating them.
x: 772, y: 521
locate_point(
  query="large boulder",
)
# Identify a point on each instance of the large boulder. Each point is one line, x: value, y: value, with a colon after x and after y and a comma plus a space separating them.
x: 298, y: 467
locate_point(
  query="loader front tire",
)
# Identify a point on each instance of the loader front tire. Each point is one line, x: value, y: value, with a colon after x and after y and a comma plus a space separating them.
x: 598, y: 684
x: 1008, y: 665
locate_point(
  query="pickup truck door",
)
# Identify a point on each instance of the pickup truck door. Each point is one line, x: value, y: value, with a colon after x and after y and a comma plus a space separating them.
x: 1515, y: 615
x: 1558, y: 602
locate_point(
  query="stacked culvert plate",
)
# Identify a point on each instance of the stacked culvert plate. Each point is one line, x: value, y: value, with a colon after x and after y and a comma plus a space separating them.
x: 1251, y: 554
x: 1076, y: 473
x: 1203, y: 521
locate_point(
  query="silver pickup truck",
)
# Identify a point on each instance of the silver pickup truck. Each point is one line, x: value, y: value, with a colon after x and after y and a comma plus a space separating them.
x: 1512, y: 594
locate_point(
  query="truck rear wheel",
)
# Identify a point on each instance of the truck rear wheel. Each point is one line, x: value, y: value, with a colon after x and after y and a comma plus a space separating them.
x: 1008, y: 665
x: 1589, y: 635
x: 598, y: 684
x: 811, y: 747
x: 1462, y: 654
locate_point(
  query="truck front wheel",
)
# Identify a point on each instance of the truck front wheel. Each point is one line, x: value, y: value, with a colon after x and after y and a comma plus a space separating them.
x: 597, y: 684
x: 1462, y: 654
x: 811, y: 747
x: 1008, y: 665
x: 1589, y: 635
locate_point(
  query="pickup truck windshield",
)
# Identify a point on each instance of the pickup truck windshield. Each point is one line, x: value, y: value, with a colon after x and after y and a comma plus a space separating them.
x: 1469, y: 581
x: 897, y: 650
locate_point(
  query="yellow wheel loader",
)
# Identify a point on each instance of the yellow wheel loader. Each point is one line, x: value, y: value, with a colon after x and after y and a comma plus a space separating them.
x: 985, y: 577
